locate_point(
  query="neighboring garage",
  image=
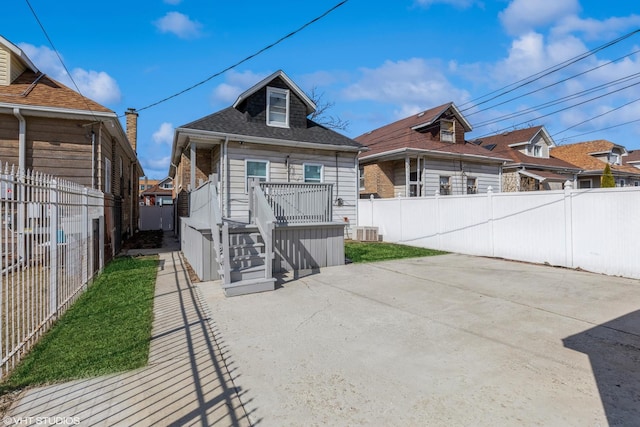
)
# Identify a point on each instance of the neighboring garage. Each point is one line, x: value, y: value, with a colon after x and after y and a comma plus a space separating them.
x: 446, y: 340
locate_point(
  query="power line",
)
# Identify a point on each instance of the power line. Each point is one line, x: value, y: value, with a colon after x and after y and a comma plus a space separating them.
x: 547, y: 71
x: 600, y: 130
x: 280, y: 40
x: 84, y: 98
x: 553, y: 84
x: 596, y: 117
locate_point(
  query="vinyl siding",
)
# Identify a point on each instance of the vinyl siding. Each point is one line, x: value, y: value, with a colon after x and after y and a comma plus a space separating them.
x: 344, y: 181
x: 4, y: 67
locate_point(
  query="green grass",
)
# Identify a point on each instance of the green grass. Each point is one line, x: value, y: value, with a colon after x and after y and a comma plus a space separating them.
x: 378, y: 251
x: 107, y: 330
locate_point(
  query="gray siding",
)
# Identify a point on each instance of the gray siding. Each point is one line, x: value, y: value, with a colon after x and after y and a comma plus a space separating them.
x: 303, y: 247
x: 343, y: 174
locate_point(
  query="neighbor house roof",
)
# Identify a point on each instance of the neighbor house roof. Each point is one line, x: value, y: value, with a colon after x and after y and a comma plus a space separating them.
x: 633, y: 158
x: 581, y: 155
x: 404, y: 135
x: 38, y: 90
x: 507, y: 145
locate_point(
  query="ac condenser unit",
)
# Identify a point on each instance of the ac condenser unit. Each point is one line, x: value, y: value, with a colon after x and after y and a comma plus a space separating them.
x: 365, y: 234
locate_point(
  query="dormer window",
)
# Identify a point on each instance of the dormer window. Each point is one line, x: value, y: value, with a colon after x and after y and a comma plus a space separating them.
x: 614, y: 158
x: 447, y: 131
x: 277, y: 107
x: 535, y: 150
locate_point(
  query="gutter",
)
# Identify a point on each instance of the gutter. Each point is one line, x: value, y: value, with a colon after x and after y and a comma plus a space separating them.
x: 434, y: 153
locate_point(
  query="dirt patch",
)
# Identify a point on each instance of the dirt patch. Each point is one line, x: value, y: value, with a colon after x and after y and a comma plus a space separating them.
x: 150, y: 239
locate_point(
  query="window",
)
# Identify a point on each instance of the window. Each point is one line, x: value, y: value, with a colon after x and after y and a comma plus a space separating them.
x: 614, y: 158
x: 584, y: 183
x: 361, y: 177
x: 312, y: 173
x: 445, y: 186
x: 277, y: 107
x: 447, y: 131
x: 472, y: 187
x: 256, y: 169
x: 415, y: 184
x: 636, y: 183
x: 107, y: 175
x: 621, y: 183
x: 535, y: 150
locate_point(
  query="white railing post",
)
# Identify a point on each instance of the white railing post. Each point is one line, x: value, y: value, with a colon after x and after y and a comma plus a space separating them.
x: 86, y: 223
x: 491, y: 230
x: 53, y: 247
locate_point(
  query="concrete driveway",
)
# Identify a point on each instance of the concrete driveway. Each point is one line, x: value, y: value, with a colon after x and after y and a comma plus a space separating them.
x: 447, y: 340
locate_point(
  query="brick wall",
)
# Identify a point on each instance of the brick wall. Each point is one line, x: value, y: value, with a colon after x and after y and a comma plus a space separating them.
x: 378, y: 179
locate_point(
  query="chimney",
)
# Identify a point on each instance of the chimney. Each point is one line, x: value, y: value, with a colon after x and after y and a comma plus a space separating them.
x: 132, y: 127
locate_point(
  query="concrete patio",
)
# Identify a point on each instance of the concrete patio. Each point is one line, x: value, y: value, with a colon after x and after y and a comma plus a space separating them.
x: 443, y: 341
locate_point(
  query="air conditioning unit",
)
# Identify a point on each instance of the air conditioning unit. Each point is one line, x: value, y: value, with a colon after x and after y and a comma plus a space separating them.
x: 365, y: 234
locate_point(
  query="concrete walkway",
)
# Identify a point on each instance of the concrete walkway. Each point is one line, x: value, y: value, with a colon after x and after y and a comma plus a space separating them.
x: 450, y: 340
x: 188, y: 380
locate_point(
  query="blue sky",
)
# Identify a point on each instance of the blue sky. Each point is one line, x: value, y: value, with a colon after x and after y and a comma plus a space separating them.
x: 377, y: 61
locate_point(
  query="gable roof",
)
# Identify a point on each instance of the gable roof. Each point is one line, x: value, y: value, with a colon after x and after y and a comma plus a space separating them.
x: 581, y: 155
x: 39, y: 93
x: 403, y: 135
x: 311, y: 106
x: 505, y: 144
x: 633, y: 158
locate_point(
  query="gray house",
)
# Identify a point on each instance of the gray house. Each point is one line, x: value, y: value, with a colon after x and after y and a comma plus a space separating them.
x: 262, y: 162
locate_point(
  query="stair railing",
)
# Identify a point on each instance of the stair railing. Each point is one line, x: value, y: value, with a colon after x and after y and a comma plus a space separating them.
x: 220, y: 232
x: 262, y: 215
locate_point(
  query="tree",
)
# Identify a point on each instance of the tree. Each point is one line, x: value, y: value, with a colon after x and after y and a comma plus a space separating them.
x: 607, y: 180
x: 320, y: 116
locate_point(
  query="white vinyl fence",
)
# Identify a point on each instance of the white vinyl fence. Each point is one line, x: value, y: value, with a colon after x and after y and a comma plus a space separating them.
x: 50, y: 247
x: 594, y: 229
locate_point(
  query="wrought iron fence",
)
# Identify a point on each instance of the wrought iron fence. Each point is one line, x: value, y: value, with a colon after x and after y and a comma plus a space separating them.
x: 47, y: 254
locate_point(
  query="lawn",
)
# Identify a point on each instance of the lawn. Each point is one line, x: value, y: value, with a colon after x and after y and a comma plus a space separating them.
x: 379, y: 251
x: 107, y: 330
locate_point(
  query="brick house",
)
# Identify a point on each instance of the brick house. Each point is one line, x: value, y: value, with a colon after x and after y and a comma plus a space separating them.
x: 424, y: 154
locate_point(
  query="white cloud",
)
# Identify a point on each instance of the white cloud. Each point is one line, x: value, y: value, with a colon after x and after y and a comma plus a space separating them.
x: 462, y: 4
x: 161, y: 164
x: 235, y: 84
x: 164, y: 135
x: 412, y: 85
x: 180, y: 25
x: 96, y: 85
x: 593, y: 29
x: 523, y: 16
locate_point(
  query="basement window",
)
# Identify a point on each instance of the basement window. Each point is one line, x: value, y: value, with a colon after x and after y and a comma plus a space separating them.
x: 277, y: 107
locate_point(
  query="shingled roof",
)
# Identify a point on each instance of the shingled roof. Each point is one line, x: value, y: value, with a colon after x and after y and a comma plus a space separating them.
x: 233, y: 122
x: 580, y: 154
x: 503, y: 145
x: 405, y: 135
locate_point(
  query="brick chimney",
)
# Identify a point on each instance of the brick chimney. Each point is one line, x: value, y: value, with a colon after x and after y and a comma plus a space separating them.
x: 132, y: 127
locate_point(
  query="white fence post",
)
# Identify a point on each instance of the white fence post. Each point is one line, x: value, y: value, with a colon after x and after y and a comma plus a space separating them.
x: 490, y: 201
x: 86, y: 223
x: 568, y: 223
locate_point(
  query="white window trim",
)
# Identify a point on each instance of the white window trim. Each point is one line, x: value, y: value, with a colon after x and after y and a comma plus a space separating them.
x: 581, y: 181
x: 246, y: 168
x: 361, y: 182
x: 304, y: 172
x: 474, y: 187
x: 284, y: 92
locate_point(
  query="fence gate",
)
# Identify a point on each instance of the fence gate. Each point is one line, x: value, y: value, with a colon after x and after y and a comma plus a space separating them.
x: 156, y: 218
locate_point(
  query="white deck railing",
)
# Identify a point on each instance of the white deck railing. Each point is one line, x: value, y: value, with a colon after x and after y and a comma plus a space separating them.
x: 265, y: 220
x: 48, y: 254
x: 297, y: 203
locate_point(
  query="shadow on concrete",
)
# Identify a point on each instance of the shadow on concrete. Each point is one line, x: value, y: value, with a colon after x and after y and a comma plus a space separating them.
x: 614, y: 352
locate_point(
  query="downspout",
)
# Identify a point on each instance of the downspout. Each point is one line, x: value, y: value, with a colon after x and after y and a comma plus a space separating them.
x: 93, y: 159
x: 22, y: 163
x: 225, y: 181
x: 22, y: 141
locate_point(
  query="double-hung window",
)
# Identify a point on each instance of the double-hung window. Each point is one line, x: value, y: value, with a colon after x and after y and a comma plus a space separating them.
x: 312, y: 173
x: 258, y: 169
x: 277, y: 107
x: 445, y: 185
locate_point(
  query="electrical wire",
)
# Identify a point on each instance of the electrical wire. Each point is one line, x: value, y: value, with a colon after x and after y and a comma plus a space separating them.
x: 84, y: 98
x: 600, y: 130
x: 280, y: 40
x: 550, y: 70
